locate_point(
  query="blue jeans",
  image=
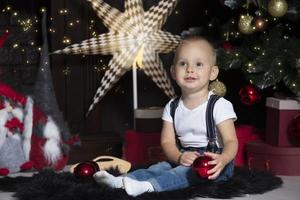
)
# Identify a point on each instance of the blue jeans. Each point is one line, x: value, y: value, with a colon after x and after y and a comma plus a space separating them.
x: 165, y: 176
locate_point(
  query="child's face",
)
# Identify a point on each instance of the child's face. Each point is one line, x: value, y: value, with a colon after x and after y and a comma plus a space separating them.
x: 194, y: 66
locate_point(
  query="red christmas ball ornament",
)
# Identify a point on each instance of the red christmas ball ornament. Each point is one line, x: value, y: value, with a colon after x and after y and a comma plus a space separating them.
x: 4, y: 171
x: 227, y: 46
x: 86, y: 169
x: 249, y: 95
x: 294, y: 131
x: 3, y: 38
x: 201, y: 166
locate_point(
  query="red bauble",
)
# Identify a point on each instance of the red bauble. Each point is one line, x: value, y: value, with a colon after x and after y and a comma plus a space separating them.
x: 86, y: 169
x: 227, y: 46
x: 201, y: 166
x: 4, y: 171
x: 294, y: 131
x: 3, y: 38
x: 26, y: 166
x: 249, y: 95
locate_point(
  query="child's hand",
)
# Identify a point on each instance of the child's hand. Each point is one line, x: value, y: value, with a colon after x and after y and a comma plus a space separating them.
x: 187, y: 158
x: 219, y: 161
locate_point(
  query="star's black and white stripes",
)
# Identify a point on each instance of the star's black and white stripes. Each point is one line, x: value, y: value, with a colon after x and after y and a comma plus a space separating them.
x: 130, y: 32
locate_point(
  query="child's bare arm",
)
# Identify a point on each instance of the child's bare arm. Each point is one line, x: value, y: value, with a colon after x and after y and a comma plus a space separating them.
x: 168, y: 143
x: 227, y: 131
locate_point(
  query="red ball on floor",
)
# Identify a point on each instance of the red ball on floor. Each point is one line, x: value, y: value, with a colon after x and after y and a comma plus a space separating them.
x: 86, y: 169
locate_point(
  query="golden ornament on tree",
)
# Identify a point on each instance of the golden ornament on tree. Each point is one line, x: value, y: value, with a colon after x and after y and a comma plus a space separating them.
x: 245, y: 24
x: 218, y: 87
x: 277, y: 8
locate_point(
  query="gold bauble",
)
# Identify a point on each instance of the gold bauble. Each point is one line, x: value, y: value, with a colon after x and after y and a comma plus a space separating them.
x: 277, y: 8
x: 245, y: 24
x: 218, y: 87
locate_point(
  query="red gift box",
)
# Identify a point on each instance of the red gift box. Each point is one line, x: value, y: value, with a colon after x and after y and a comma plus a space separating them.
x: 277, y: 160
x: 245, y: 134
x: 142, y: 145
x: 280, y: 112
x: 142, y: 149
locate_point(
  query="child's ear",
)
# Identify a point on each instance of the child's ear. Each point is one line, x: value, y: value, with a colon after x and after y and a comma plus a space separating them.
x: 214, y: 72
x: 172, y: 71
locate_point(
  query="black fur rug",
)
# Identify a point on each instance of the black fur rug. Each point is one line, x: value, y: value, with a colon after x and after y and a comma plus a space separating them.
x: 49, y: 185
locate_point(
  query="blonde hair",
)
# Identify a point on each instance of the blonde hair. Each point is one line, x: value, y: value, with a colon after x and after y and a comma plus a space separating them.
x: 193, y: 38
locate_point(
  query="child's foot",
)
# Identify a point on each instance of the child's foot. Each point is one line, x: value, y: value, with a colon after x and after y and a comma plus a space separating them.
x: 108, y: 179
x: 135, y: 188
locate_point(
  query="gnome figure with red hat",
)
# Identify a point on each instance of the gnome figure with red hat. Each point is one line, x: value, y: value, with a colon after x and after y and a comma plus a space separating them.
x: 32, y: 132
x: 28, y: 138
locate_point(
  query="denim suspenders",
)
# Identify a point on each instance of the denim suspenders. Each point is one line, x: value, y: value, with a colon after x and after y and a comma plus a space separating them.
x: 210, y: 123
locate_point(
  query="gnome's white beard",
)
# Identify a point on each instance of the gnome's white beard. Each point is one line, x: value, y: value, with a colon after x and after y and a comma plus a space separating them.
x: 52, y: 151
x: 51, y: 133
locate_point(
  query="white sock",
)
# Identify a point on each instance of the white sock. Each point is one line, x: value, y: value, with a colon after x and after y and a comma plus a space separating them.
x: 135, y: 188
x: 108, y: 179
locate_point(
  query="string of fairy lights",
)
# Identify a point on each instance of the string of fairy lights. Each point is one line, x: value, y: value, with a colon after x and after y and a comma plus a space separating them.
x: 29, y: 24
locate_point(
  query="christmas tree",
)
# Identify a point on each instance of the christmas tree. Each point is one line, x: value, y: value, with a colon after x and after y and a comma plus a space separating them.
x: 263, y: 42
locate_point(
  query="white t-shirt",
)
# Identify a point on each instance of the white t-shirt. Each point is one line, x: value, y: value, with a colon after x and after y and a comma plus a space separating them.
x: 190, y: 125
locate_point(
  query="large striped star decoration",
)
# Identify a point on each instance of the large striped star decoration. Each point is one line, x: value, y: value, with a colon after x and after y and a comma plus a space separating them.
x: 134, y: 37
